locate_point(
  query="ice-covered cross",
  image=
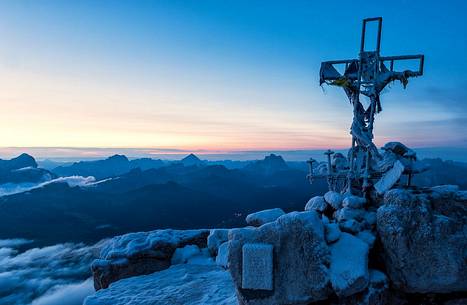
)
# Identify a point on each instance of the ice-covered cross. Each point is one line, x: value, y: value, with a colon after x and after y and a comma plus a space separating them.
x: 368, y: 76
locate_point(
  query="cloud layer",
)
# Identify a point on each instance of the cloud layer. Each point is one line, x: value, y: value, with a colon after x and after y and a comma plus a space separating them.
x: 72, y: 181
x: 58, y: 274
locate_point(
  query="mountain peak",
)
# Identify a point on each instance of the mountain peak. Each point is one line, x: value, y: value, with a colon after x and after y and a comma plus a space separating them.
x: 269, y: 164
x: 22, y: 161
x: 118, y: 158
x: 191, y: 160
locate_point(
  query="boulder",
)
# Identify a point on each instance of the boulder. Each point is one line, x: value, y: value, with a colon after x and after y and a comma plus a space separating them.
x: 182, y: 255
x: 350, y: 226
x: 141, y: 253
x: 316, y: 203
x: 222, y: 258
x: 349, y: 265
x: 300, y: 258
x: 332, y: 232
x: 354, y: 202
x: 423, y: 235
x: 350, y: 213
x: 260, y: 218
x: 216, y: 238
x: 334, y: 199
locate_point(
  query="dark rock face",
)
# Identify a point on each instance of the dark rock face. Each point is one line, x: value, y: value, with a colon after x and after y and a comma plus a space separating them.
x: 141, y: 253
x: 424, y: 239
x: 300, y: 260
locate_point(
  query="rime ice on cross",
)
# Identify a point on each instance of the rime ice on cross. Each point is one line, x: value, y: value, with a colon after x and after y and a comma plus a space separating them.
x: 368, y: 75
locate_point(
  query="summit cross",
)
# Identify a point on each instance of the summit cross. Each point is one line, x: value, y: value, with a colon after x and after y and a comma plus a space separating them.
x: 366, y: 76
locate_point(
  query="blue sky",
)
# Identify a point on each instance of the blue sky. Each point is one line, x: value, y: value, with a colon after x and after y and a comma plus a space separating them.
x: 220, y: 75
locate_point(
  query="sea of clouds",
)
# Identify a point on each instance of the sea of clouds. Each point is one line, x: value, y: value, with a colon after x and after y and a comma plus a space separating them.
x: 72, y: 181
x: 53, y: 275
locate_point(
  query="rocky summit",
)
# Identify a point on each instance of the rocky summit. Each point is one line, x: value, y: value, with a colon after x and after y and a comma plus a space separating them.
x: 408, y: 248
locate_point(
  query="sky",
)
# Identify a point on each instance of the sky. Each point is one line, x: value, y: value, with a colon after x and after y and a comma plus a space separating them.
x: 85, y: 77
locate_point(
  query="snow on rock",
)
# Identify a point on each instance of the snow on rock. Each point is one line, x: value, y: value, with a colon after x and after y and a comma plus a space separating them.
x: 332, y: 232
x: 368, y: 237
x: 187, y: 284
x: 370, y: 218
x: 334, y: 199
x: 349, y: 213
x: 354, y: 202
x: 390, y: 178
x: 445, y: 190
x: 182, y: 255
x: 141, y: 253
x: 222, y: 258
x: 350, y: 226
x: 423, y: 235
x: 260, y: 218
x: 300, y: 260
x: 349, y: 265
x: 216, y: 238
x: 316, y: 203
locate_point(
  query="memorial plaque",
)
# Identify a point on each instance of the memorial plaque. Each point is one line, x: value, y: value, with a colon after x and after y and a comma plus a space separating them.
x: 257, y: 269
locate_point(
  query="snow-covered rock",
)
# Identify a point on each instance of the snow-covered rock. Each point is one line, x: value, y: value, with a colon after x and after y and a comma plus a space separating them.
x: 324, y: 219
x: 389, y: 178
x: 222, y: 258
x: 349, y: 265
x: 187, y: 284
x: 368, y: 237
x: 332, y: 232
x: 260, y: 218
x: 182, y: 255
x: 370, y: 218
x: 423, y: 235
x: 141, y: 253
x: 350, y: 226
x: 354, y: 202
x: 216, y: 238
x: 300, y: 257
x: 349, y: 213
x: 334, y: 199
x: 316, y: 203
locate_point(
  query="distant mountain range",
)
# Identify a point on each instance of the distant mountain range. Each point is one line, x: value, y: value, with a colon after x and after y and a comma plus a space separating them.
x: 146, y: 194
x: 110, y: 167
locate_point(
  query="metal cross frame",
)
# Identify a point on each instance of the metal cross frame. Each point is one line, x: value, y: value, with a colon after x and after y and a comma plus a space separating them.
x: 368, y: 76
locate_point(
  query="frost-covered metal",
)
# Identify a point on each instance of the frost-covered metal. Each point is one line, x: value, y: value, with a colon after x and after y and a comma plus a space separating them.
x: 363, y: 80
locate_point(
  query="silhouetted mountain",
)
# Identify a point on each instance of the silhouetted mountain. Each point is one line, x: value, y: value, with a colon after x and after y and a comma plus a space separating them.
x: 175, y: 196
x: 22, y: 161
x: 146, y: 163
x: 113, y: 166
x: 192, y: 160
x: 22, y: 169
x: 271, y: 164
x: 443, y: 172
